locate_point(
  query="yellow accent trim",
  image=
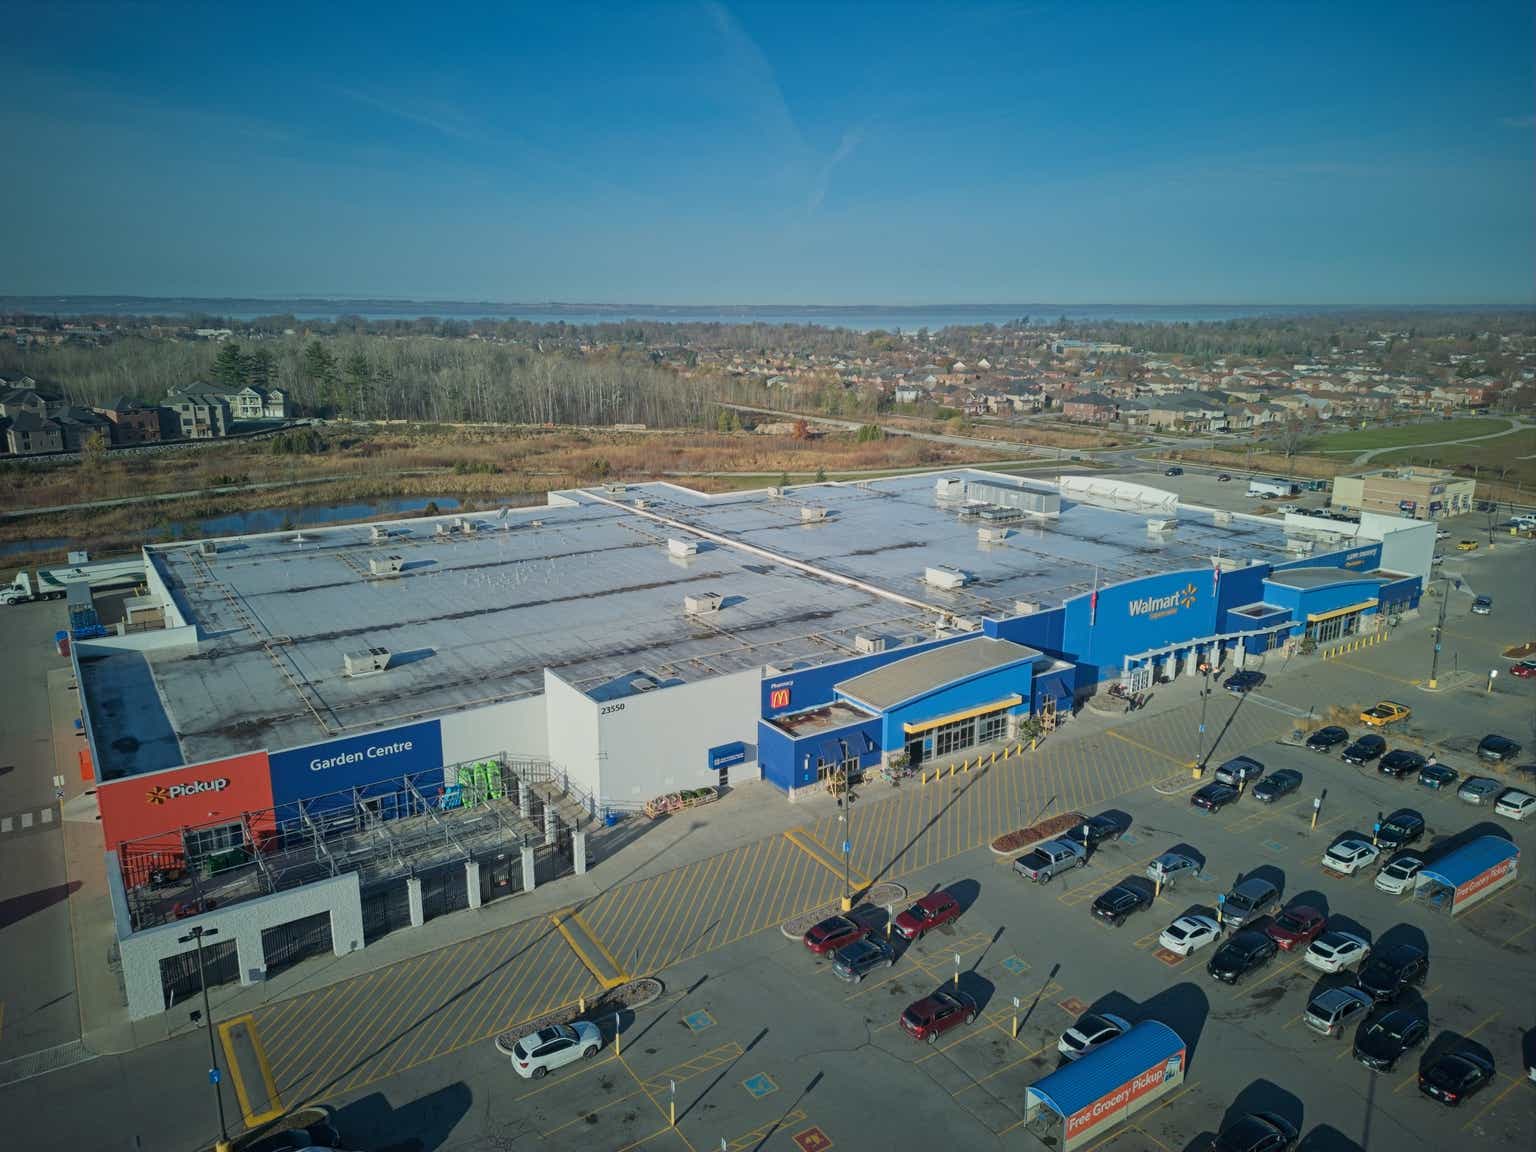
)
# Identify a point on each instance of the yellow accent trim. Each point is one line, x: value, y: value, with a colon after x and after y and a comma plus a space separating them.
x: 619, y: 977
x: 252, y: 1120
x: 1314, y: 617
x: 953, y: 717
x: 826, y: 858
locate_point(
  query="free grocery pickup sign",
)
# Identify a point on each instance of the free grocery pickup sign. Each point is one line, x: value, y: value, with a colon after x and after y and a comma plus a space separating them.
x: 354, y: 760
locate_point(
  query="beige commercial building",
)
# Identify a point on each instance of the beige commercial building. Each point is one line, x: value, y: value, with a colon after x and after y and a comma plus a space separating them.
x: 1422, y: 493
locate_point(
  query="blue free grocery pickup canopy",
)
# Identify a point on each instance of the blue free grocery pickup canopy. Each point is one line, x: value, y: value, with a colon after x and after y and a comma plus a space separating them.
x: 1091, y: 1077
x: 1470, y: 861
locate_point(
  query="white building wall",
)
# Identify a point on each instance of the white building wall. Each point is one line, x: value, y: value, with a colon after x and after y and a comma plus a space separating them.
x: 516, y: 727
x: 571, y: 723
x: 658, y: 741
x: 1407, y: 546
x: 155, y: 585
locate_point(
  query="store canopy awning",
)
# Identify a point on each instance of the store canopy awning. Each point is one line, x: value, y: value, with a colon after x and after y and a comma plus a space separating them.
x: 1315, y: 617
x: 954, y: 717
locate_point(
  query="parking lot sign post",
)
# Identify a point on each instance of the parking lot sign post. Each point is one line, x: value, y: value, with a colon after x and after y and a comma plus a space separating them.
x: 957, y: 969
x: 1015, y: 1017
x: 672, y: 1102
x: 1493, y: 674
x: 616, y: 1034
x: 890, y: 920
x: 1221, y: 898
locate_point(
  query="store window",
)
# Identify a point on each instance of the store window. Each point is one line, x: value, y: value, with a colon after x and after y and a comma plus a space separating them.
x: 203, y: 842
x: 954, y: 736
x: 991, y: 726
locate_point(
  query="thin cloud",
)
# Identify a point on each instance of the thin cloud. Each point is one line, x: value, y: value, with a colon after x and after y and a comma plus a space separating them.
x: 757, y: 80
x: 440, y: 118
x: 846, y: 147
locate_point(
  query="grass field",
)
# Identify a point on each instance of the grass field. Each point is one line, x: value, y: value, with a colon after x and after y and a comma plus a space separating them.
x: 1515, y: 453
x: 1429, y: 432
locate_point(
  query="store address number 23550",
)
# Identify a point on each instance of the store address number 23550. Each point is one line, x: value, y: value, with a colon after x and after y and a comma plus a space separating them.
x: 607, y: 708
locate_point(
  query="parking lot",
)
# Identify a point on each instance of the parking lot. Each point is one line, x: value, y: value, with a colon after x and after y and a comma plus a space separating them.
x: 756, y: 1044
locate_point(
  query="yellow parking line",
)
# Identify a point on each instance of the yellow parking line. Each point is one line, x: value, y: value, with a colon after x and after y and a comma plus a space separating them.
x: 590, y: 1112
x: 1242, y: 989
x: 1514, y: 1081
x: 607, y: 982
x: 977, y: 1083
x: 754, y: 1139
x: 1148, y: 748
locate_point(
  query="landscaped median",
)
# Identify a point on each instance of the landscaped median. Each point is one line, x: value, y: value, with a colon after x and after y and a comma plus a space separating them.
x: 1023, y: 839
x: 882, y: 895
x: 626, y: 997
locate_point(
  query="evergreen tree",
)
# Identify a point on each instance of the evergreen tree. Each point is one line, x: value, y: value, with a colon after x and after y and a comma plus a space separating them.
x: 320, y: 374
x: 229, y: 365
x: 257, y: 369
x: 359, y: 386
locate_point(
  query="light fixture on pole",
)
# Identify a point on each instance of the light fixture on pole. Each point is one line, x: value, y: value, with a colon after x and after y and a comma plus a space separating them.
x: 196, y: 936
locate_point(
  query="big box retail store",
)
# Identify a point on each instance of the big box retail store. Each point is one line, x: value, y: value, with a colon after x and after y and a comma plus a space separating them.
x: 345, y: 731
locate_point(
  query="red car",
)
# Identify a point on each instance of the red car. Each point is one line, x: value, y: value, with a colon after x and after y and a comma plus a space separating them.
x: 930, y: 1018
x: 1297, y: 926
x: 1525, y: 669
x: 928, y: 913
x: 833, y: 933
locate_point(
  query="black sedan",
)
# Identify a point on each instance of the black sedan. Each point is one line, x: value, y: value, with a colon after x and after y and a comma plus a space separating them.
x: 1281, y: 782
x: 1400, y: 829
x: 1095, y: 831
x: 1388, y: 972
x: 1114, y: 906
x: 1437, y: 776
x: 1240, y: 682
x: 1242, y: 954
x: 1256, y: 1132
x: 1364, y: 750
x: 1214, y: 796
x: 1400, y: 762
x: 1496, y: 749
x: 1383, y: 1039
x: 1325, y: 738
x: 1455, y: 1076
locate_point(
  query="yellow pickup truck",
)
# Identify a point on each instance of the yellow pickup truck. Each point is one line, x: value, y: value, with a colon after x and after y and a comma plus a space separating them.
x: 1384, y: 713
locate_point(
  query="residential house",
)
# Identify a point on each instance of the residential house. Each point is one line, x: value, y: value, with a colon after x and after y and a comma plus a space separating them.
x: 245, y: 403
x: 76, y: 425
x: 131, y: 423
x: 29, y: 434
x: 1188, y: 411
x: 17, y: 400
x: 201, y: 415
x: 1092, y: 407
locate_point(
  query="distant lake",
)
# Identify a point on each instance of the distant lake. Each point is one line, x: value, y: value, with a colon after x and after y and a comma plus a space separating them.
x: 862, y: 318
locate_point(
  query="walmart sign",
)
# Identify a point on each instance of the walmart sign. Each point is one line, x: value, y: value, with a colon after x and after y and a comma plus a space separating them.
x: 1157, y: 607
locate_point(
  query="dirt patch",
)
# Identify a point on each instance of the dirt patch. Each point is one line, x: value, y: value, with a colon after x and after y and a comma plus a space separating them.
x: 1521, y: 651
x: 1022, y: 838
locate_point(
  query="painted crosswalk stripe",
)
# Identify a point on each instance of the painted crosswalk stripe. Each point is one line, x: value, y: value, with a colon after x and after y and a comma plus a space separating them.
x: 47, y: 815
x: 26, y: 819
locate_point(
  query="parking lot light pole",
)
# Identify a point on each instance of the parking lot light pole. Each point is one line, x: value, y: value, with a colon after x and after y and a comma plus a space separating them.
x: 845, y: 818
x: 1205, y: 694
x: 1434, y: 663
x: 196, y: 936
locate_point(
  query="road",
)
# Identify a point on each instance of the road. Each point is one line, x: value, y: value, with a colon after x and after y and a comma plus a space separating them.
x: 37, y: 990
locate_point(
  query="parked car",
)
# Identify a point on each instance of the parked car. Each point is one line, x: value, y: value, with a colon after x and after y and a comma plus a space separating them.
x: 1400, y: 829
x: 1383, y: 1040
x: 930, y: 912
x: 1096, y: 830
x: 1515, y: 803
x: 932, y: 1016
x: 1497, y: 749
x: 1325, y: 738
x: 1214, y: 796
x: 1523, y: 669
x: 1188, y: 934
x: 1092, y: 1031
x: 1240, y: 682
x: 1121, y: 901
x: 858, y: 959
x: 1240, y: 955
x: 1332, y: 1009
x: 1336, y: 951
x: 1479, y: 789
x: 1169, y: 868
x: 540, y: 1053
x: 1364, y: 750
x: 319, y: 1134
x: 1280, y: 782
x: 1400, y: 873
x: 1455, y: 1076
x: 1248, y: 900
x: 1437, y: 776
x: 1466, y: 545
x: 1044, y: 862
x: 1350, y: 855
x: 1174, y: 471
x: 1223, y: 477
x: 1384, y: 713
x: 1287, y: 507
x: 1256, y: 1132
x: 1391, y: 970
x: 1239, y: 770
x: 833, y: 933
x: 1400, y: 762
x: 1442, y: 534
x: 1482, y: 606
x: 1298, y: 925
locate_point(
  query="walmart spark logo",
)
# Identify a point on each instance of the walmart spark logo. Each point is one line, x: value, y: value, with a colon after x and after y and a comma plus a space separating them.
x: 158, y: 795
x: 1156, y: 607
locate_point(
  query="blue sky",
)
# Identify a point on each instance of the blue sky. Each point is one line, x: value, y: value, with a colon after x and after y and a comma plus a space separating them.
x: 789, y: 153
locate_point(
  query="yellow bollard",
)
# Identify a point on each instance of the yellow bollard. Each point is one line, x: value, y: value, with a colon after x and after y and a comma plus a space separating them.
x: 951, y: 769
x: 1015, y: 1027
x: 1034, y: 743
x: 994, y: 757
x: 581, y: 1005
x: 1314, y: 819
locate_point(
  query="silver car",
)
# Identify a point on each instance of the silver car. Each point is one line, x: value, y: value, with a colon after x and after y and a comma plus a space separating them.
x: 1171, y: 867
x: 1479, y: 789
x: 1331, y: 1009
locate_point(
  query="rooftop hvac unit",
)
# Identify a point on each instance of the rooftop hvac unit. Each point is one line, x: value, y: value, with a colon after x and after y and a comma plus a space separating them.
x: 775, y: 490
x: 949, y: 488
x: 943, y: 576
x: 300, y: 538
x: 1298, y: 546
x: 701, y: 603
x: 1220, y: 517
x: 1162, y: 525
x: 378, y: 533
x: 965, y: 623
x: 367, y: 662
x: 385, y: 565
x: 810, y: 515
x: 535, y: 523
x: 992, y: 534
x: 683, y: 547
x: 867, y: 645
x: 1025, y: 607
x: 208, y: 547
x: 441, y: 531
x: 642, y: 502
x: 615, y: 487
